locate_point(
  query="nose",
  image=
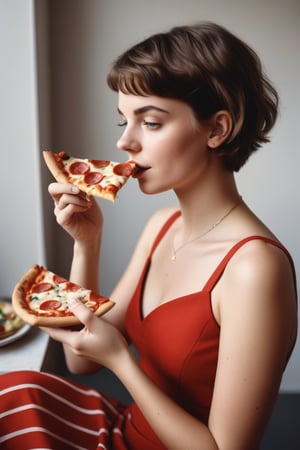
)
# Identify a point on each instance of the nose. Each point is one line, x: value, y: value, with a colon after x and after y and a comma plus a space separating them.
x: 128, y: 142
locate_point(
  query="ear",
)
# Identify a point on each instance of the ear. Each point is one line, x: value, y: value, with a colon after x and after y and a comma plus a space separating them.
x: 221, y: 127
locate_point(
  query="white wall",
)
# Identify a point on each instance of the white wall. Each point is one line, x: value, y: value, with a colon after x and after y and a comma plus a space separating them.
x: 21, y: 235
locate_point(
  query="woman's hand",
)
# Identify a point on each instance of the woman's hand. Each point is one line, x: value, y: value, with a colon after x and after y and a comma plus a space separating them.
x: 77, y: 213
x: 98, y: 341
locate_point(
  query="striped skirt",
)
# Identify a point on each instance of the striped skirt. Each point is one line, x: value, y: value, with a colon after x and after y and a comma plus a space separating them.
x: 44, y: 411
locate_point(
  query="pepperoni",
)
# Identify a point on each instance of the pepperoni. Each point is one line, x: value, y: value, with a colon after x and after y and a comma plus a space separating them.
x: 72, y: 287
x: 99, y: 163
x: 58, y: 279
x: 96, y: 298
x: 50, y: 305
x: 79, y: 168
x: 111, y: 188
x: 123, y: 169
x: 2, y: 329
x: 63, y: 155
x: 42, y: 287
x: 93, y: 178
x: 59, y: 158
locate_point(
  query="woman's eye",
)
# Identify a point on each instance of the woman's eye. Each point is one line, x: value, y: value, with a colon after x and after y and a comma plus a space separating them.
x: 152, y: 125
x: 123, y: 123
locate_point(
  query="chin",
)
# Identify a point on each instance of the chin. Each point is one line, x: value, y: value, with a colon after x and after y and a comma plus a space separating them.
x: 148, y: 190
x: 152, y: 188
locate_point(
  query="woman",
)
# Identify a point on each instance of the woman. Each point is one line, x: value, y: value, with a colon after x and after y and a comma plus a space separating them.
x: 208, y: 297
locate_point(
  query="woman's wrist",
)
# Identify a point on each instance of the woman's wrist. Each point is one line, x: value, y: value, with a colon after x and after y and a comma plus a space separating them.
x: 125, y: 364
x: 88, y: 246
x: 85, y: 264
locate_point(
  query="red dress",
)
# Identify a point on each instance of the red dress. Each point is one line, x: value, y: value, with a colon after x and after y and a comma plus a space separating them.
x: 39, y: 410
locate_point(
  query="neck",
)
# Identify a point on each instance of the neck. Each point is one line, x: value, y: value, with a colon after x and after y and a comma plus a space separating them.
x: 208, y: 230
x: 203, y: 204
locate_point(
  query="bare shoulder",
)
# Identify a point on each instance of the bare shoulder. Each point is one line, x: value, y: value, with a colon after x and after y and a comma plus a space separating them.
x: 261, y: 261
x: 259, y: 282
x: 162, y: 215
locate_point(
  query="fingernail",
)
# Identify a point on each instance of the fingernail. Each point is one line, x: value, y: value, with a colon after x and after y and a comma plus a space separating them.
x: 75, y: 189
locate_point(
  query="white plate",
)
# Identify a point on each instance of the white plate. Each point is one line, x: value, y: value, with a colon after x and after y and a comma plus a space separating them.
x: 14, y: 337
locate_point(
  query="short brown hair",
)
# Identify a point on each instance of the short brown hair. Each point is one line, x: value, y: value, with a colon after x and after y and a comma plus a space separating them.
x: 210, y: 69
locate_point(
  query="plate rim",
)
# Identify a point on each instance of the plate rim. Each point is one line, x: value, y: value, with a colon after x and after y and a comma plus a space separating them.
x: 15, y: 336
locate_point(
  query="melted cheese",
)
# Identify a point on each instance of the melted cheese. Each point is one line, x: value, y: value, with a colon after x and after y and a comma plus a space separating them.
x: 59, y: 292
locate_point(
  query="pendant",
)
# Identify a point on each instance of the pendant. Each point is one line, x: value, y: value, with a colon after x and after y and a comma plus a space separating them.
x: 173, y: 257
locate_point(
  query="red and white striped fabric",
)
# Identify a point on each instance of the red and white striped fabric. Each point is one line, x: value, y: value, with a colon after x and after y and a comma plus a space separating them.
x: 43, y: 411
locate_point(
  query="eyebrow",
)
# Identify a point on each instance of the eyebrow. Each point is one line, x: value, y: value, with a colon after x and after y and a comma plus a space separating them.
x: 145, y: 109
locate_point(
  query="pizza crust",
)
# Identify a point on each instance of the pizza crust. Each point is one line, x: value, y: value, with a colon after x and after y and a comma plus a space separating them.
x: 34, y: 319
x: 54, y: 169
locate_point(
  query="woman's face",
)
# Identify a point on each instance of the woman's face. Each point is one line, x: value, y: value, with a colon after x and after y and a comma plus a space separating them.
x: 164, y: 139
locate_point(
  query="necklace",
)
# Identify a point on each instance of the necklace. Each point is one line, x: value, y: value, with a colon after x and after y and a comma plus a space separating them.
x: 176, y: 250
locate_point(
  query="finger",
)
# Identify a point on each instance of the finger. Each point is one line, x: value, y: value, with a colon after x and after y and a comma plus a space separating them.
x: 57, y: 190
x: 83, y: 313
x: 62, y: 188
x: 67, y: 216
x: 62, y: 335
x: 66, y: 199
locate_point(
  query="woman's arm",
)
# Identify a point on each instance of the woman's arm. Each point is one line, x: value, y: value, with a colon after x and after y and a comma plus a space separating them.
x: 82, y: 219
x: 258, y: 318
x: 123, y: 291
x: 84, y: 272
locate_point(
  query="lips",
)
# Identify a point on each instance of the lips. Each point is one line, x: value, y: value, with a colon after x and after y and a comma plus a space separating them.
x: 139, y: 171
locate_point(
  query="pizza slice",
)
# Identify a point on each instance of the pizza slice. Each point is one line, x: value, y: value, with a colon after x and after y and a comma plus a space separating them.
x: 100, y: 178
x: 41, y: 298
x: 10, y: 322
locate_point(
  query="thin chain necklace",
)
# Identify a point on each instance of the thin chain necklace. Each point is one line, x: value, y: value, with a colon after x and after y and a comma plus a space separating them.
x: 176, y: 250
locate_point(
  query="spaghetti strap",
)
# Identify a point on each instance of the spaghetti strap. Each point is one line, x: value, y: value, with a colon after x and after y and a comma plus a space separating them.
x: 163, y: 231
x: 214, y: 278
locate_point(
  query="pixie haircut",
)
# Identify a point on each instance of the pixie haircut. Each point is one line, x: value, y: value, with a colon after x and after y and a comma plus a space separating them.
x: 210, y: 69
